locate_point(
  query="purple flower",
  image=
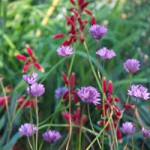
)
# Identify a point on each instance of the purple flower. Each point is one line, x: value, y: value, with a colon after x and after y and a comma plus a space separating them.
x: 30, y: 79
x: 89, y: 95
x: 105, y: 54
x: 59, y: 92
x: 36, y: 89
x: 145, y: 133
x: 27, y: 129
x: 128, y: 128
x: 65, y: 51
x: 131, y: 65
x: 51, y: 136
x: 98, y: 31
x: 139, y: 91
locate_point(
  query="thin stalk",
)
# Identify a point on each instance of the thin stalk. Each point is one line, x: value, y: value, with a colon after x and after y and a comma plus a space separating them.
x: 92, y: 125
x: 30, y: 143
x: 61, y: 146
x: 67, y: 125
x: 125, y: 147
x: 37, y: 124
x: 72, y: 61
x: 100, y: 131
x: 143, y: 143
x: 31, y: 119
x: 92, y: 67
x: 88, y: 139
x: 70, y: 122
x: 7, y: 110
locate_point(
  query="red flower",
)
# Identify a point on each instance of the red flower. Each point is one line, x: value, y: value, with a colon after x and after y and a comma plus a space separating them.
x: 29, y: 61
x: 75, y: 22
x: 71, y: 93
x: 3, y: 100
x: 76, y: 118
x: 110, y: 101
x: 22, y: 102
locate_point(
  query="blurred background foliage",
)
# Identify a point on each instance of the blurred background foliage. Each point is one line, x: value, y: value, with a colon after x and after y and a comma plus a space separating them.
x: 22, y: 22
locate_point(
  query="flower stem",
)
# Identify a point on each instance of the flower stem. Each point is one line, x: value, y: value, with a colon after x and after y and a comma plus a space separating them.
x: 70, y: 123
x: 143, y: 143
x: 92, y: 125
x: 125, y: 147
x: 30, y: 143
x: 37, y: 124
x: 92, y: 67
x: 100, y: 131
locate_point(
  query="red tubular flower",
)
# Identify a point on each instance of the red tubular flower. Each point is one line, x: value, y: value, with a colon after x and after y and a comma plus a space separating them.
x: 110, y: 87
x: 60, y: 35
x: 126, y: 106
x: 3, y: 100
x: 76, y: 118
x: 75, y: 22
x: 70, y: 84
x: 93, y: 21
x: 30, y: 103
x: 104, y: 85
x: 29, y: 61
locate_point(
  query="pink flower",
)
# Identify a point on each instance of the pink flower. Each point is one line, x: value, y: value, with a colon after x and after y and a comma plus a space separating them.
x: 131, y: 65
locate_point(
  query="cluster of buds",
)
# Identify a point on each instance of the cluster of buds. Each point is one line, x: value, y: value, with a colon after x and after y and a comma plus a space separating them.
x: 110, y: 101
x: 76, y: 118
x: 23, y: 103
x: 30, y: 61
x: 70, y: 93
x: 75, y: 22
x: 110, y: 105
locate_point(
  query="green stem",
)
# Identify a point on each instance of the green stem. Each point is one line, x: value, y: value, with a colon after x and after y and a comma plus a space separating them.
x: 30, y: 143
x: 92, y: 125
x: 72, y: 61
x: 7, y: 110
x: 92, y: 67
x: 67, y: 125
x: 37, y: 124
x: 100, y: 132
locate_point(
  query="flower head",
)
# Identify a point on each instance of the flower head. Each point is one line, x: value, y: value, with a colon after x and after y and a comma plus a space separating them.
x: 59, y: 92
x: 51, y: 136
x: 97, y: 31
x: 30, y: 79
x: 36, y: 89
x: 105, y: 54
x: 131, y: 65
x: 128, y: 128
x: 89, y: 95
x: 29, y: 61
x: 145, y: 133
x: 65, y: 51
x: 27, y: 129
x: 139, y: 91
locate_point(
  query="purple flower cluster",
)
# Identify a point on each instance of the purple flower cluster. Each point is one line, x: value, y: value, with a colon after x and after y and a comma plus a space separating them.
x: 145, y: 133
x: 27, y: 129
x: 89, y: 95
x: 65, y: 51
x: 30, y: 79
x: 34, y: 89
x: 59, y: 92
x: 98, y: 31
x: 131, y: 65
x: 128, y: 128
x: 105, y: 54
x: 51, y: 136
x: 139, y: 91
